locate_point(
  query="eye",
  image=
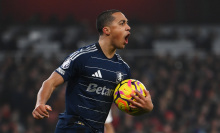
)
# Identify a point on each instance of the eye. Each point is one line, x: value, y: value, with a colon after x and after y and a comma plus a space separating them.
x: 122, y: 23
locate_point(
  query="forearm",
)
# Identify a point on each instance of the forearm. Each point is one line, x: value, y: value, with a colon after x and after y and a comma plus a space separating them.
x: 109, y: 128
x: 48, y: 87
x: 45, y: 92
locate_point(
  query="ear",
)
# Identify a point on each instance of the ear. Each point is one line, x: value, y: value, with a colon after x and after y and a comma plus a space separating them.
x: 106, y: 30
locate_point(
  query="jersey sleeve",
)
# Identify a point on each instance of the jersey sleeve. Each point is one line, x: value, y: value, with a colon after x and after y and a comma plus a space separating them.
x: 109, y: 117
x: 70, y: 67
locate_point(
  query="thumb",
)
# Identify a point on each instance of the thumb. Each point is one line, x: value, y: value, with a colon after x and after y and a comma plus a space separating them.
x: 48, y: 107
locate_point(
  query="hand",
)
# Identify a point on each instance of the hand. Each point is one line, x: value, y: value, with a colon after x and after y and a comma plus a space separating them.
x: 143, y: 103
x: 41, y: 111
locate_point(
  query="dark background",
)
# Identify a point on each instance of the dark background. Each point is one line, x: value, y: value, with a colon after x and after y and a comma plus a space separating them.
x: 174, y: 49
x: 149, y: 11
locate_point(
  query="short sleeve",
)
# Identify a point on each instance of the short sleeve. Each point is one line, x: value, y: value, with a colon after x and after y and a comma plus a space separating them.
x: 69, y: 67
x: 109, y: 118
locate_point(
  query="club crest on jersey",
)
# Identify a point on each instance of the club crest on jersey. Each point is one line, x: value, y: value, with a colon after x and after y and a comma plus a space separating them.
x: 66, y: 64
x: 119, y: 77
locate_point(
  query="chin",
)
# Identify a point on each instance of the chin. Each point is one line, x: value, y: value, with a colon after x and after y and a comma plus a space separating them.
x: 122, y: 47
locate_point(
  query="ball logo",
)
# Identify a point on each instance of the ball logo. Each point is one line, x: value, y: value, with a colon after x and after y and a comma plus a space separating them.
x: 66, y: 64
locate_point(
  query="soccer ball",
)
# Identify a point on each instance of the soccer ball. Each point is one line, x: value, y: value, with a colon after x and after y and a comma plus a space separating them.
x: 123, y: 92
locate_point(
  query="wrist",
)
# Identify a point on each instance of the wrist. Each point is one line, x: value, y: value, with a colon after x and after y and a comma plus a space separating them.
x: 38, y: 104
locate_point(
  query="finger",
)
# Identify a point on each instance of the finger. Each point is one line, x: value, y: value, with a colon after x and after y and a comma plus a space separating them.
x: 131, y: 102
x: 139, y: 95
x: 147, y: 93
x: 137, y: 98
x: 42, y: 111
x: 34, y: 115
x: 38, y: 115
x: 134, y: 94
x: 48, y: 108
x: 132, y: 106
x: 134, y: 103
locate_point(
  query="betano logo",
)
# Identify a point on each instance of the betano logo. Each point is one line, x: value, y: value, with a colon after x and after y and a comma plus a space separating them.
x: 100, y: 90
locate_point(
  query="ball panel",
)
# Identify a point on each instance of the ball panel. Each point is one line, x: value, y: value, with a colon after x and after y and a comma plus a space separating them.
x: 123, y: 105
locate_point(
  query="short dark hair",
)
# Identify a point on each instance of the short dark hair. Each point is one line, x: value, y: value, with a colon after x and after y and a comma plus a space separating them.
x: 105, y: 18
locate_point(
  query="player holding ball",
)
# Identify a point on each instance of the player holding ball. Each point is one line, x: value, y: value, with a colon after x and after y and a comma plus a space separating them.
x: 92, y: 74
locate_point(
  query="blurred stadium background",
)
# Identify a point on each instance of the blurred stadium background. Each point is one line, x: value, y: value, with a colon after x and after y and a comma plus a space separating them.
x: 174, y: 49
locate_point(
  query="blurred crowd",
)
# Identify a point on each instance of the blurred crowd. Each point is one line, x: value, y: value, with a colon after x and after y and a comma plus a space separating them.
x: 184, y: 89
x: 71, y: 34
x: 185, y: 93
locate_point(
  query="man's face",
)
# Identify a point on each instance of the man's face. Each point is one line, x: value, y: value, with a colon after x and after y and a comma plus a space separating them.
x: 119, y: 30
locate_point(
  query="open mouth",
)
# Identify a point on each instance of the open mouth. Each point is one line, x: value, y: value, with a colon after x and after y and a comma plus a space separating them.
x: 126, y: 38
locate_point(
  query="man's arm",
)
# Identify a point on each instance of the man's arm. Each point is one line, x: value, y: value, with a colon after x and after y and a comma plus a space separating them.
x: 108, y: 123
x: 48, y: 86
x: 109, y: 128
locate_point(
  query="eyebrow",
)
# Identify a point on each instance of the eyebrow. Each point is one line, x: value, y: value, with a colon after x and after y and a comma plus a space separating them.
x: 123, y: 21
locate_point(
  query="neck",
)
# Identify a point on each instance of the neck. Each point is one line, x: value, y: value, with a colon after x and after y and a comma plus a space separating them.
x: 107, y: 48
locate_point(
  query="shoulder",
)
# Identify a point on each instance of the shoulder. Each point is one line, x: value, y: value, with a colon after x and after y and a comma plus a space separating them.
x: 121, y: 60
x: 83, y: 53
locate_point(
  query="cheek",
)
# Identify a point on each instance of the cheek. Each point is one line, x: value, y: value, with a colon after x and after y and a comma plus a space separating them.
x: 118, y: 35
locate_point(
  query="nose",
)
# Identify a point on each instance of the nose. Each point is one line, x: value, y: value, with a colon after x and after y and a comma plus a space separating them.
x: 128, y: 28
